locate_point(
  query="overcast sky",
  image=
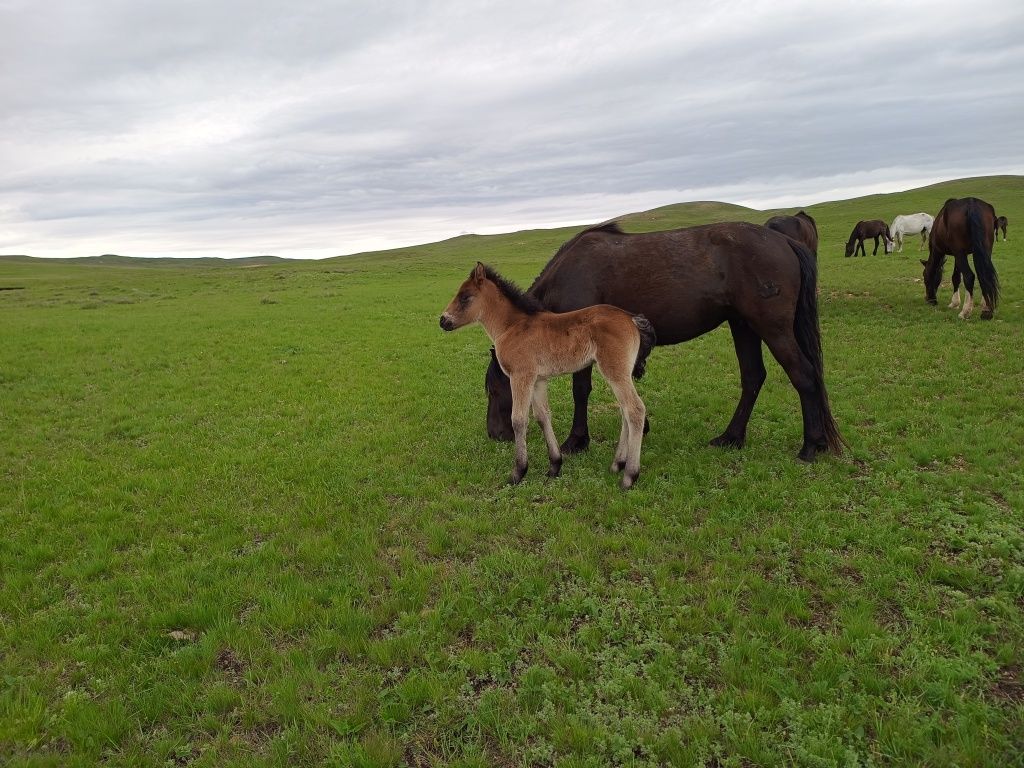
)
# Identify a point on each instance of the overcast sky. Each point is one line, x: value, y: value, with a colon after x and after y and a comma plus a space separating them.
x: 310, y: 129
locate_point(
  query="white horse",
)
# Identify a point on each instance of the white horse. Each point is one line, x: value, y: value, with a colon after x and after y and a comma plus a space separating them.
x: 915, y: 223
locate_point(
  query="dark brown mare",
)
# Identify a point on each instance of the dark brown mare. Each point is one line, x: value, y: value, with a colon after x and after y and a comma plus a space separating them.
x: 1000, y: 224
x: 801, y: 227
x: 688, y: 282
x: 533, y: 344
x: 867, y: 230
x: 963, y: 226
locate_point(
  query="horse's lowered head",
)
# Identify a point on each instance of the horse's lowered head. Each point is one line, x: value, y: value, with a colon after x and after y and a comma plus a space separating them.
x: 932, y: 277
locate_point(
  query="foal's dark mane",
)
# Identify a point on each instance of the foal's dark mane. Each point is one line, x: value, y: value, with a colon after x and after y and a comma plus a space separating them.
x: 520, y: 298
x: 608, y: 227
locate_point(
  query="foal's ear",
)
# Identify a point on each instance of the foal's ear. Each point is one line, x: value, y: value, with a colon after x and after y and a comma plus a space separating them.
x: 479, y: 273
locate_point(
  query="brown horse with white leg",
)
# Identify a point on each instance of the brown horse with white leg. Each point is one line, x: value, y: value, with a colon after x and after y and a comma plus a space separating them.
x: 532, y: 344
x: 963, y: 226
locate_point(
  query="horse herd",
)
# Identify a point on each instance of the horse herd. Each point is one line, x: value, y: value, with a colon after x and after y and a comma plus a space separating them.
x: 607, y: 297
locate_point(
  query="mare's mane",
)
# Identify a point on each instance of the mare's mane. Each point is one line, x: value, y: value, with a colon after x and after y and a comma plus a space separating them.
x: 608, y: 227
x: 522, y: 300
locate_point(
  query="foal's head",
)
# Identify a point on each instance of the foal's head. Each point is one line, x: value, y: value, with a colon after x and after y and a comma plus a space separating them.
x: 485, y: 288
x: 470, y: 300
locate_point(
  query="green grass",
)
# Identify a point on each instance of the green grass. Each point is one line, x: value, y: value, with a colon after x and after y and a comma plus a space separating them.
x: 250, y: 516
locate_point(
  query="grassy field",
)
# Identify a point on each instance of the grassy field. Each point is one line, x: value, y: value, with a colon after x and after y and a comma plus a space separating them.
x: 250, y: 516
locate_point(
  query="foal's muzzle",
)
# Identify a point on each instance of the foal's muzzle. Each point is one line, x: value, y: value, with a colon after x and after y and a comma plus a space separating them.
x: 447, y: 324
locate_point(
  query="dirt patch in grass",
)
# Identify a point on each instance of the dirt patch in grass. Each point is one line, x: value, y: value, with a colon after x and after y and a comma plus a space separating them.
x: 230, y: 666
x: 1009, y: 685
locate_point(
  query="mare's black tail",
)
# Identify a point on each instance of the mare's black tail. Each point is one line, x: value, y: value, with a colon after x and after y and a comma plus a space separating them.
x: 982, y: 254
x: 647, y: 341
x: 808, y: 337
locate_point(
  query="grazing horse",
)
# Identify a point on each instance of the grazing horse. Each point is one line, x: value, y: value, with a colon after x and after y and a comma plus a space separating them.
x: 532, y: 344
x: 801, y: 227
x: 912, y: 224
x: 963, y: 226
x: 688, y: 282
x: 1000, y: 224
x: 875, y: 228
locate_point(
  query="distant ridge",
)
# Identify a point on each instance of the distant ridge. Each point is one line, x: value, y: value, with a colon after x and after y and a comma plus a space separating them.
x: 929, y: 197
x: 114, y: 260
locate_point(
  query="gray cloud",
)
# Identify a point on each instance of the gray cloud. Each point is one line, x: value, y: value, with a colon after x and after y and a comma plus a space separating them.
x: 229, y: 127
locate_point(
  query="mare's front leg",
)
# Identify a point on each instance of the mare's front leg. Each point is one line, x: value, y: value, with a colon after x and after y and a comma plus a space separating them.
x: 752, y: 376
x: 954, y: 302
x: 542, y: 411
x: 579, y: 435
x: 522, y: 394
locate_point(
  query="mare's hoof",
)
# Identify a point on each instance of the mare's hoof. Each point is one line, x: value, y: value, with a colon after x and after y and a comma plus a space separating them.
x: 986, y: 314
x: 575, y: 444
x: 725, y: 440
x: 517, y: 476
x: 616, y: 467
x: 933, y: 302
x: 555, y: 469
x: 807, y: 454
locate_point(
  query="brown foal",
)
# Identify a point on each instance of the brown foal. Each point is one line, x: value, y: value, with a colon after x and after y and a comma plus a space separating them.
x: 532, y: 345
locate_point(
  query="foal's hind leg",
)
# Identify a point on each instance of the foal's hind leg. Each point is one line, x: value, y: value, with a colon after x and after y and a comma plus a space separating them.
x: 542, y: 411
x: 633, y: 413
x: 752, y: 376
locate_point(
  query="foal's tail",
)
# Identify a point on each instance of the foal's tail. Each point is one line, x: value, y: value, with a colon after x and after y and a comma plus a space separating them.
x: 982, y: 251
x: 808, y: 337
x: 647, y: 341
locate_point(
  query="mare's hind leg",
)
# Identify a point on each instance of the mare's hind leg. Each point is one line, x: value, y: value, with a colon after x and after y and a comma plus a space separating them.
x: 633, y: 414
x: 522, y: 395
x: 579, y: 435
x: 954, y: 302
x: 965, y: 269
x: 784, y: 348
x: 752, y: 376
x: 542, y: 411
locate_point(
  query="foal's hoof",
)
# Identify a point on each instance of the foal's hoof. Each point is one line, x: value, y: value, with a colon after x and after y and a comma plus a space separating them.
x: 725, y: 440
x: 628, y: 481
x: 555, y: 468
x: 986, y: 314
x: 575, y: 444
x: 933, y: 302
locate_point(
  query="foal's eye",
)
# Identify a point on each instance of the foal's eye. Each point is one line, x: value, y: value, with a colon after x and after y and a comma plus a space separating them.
x: 464, y: 299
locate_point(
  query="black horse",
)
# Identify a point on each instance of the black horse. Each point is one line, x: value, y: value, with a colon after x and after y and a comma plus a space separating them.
x: 868, y: 230
x: 963, y: 226
x: 688, y: 282
x: 1000, y: 224
x: 801, y: 227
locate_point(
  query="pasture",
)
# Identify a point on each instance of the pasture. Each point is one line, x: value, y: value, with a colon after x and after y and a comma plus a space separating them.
x: 249, y: 515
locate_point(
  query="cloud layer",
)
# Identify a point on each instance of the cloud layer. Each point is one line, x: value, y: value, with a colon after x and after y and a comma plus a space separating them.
x: 319, y: 128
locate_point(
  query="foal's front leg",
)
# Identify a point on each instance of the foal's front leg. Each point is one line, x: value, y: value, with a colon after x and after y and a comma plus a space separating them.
x: 522, y: 394
x: 542, y: 411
